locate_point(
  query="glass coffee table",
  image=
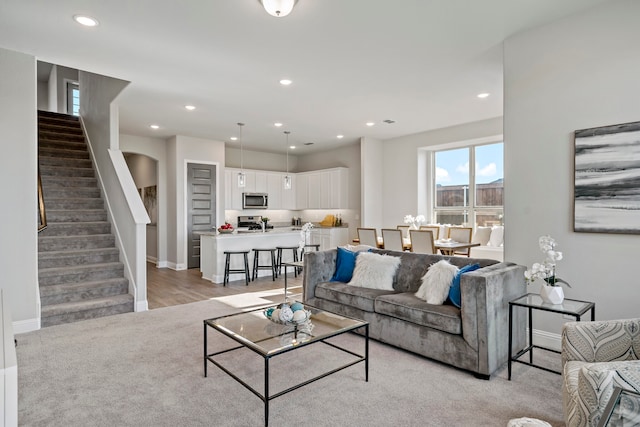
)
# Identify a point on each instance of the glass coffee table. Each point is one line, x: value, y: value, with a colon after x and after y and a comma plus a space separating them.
x: 623, y: 409
x: 254, y: 331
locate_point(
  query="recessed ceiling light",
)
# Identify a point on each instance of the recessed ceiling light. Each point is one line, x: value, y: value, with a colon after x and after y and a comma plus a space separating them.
x: 190, y: 107
x: 285, y: 82
x: 483, y: 95
x: 87, y: 21
x: 340, y: 136
x: 234, y: 138
x: 370, y: 123
x: 277, y: 124
x: 293, y: 147
x: 154, y: 126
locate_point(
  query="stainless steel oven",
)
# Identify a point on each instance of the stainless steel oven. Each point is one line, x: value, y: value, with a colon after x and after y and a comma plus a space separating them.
x: 255, y: 200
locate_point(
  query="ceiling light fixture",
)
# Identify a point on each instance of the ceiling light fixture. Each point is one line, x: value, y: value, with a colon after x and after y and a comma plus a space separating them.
x: 242, y: 178
x: 287, y: 178
x: 234, y: 138
x: 340, y: 136
x: 87, y: 21
x: 285, y: 82
x: 278, y: 8
x: 190, y: 107
x: 370, y: 124
x: 277, y: 124
x: 483, y: 95
x: 154, y: 127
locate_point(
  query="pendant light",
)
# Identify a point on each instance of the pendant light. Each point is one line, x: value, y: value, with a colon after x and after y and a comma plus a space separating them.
x: 287, y: 177
x: 242, y: 178
x: 278, y: 8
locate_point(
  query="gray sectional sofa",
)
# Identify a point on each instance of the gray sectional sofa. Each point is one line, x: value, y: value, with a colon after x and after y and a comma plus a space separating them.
x: 473, y: 337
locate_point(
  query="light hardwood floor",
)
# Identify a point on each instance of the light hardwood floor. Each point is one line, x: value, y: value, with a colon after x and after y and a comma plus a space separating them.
x: 166, y: 287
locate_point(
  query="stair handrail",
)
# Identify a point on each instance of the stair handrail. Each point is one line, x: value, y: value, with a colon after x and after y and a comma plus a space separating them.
x: 42, y: 213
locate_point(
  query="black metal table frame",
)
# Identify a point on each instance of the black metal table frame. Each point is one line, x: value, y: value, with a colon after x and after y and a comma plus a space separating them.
x: 529, y: 349
x: 266, y: 397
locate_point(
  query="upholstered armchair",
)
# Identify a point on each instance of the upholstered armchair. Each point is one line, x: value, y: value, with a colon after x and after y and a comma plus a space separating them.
x: 596, y: 357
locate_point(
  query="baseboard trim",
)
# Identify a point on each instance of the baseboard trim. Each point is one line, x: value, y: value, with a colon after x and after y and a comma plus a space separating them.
x: 152, y: 259
x: 162, y: 264
x: 176, y: 267
x: 23, y: 326
x: 142, y: 306
x: 547, y: 339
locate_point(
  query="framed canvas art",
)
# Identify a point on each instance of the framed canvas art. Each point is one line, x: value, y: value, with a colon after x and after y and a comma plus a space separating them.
x: 607, y: 179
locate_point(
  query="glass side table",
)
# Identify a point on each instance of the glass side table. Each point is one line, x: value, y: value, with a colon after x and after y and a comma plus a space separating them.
x: 623, y: 409
x: 571, y: 307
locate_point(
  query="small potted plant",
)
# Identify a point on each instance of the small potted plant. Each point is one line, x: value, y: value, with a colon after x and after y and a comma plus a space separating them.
x: 551, y: 291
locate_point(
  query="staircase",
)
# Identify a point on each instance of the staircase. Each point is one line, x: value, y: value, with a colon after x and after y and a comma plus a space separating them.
x: 79, y: 270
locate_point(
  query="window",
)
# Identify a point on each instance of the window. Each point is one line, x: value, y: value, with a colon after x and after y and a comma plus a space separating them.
x: 73, y: 98
x: 469, y: 185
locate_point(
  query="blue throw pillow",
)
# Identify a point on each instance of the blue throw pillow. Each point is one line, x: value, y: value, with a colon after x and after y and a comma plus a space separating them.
x: 454, y: 291
x: 345, y: 263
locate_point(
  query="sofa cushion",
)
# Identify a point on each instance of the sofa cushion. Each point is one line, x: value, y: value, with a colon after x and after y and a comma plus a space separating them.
x: 353, y: 296
x: 345, y: 263
x: 436, y: 282
x: 408, y: 307
x: 454, y: 291
x: 375, y: 271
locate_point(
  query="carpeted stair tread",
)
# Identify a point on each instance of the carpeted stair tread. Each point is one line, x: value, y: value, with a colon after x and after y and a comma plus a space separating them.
x: 83, y: 291
x: 63, y: 161
x: 76, y: 228
x: 66, y: 171
x: 66, y: 145
x: 75, y: 257
x: 78, y: 215
x: 45, y: 272
x: 74, y: 203
x: 79, y: 306
x: 57, y: 243
x: 62, y: 149
x: 71, y: 192
x: 76, y: 181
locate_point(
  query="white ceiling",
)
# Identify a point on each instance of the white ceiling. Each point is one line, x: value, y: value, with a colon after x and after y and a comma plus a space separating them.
x: 418, y: 62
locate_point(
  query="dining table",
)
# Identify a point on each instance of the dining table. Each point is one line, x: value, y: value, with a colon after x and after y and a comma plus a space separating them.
x: 445, y: 246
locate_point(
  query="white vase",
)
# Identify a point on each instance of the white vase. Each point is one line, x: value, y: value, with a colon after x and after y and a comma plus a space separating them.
x: 552, y: 294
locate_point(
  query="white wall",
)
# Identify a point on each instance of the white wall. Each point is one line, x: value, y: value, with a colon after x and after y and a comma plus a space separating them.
x: 576, y: 73
x: 18, y: 188
x: 372, y: 172
x: 144, y: 170
x: 57, y: 87
x: 260, y: 160
x: 180, y: 151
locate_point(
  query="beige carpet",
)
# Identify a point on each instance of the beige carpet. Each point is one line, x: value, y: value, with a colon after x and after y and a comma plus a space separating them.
x: 146, y: 369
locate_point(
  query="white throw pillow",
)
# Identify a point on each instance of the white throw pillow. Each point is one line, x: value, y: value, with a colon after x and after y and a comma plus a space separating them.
x: 436, y: 282
x: 375, y: 271
x: 497, y: 236
x: 482, y: 235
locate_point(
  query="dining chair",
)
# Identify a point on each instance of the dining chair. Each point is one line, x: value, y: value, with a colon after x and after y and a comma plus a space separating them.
x: 392, y: 239
x: 462, y: 235
x: 422, y: 241
x: 435, y: 230
x: 368, y: 236
x: 404, y: 229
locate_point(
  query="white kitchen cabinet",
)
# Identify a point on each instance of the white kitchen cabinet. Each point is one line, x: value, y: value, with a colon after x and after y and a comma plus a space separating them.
x: 261, y: 182
x: 233, y: 193
x: 302, y: 191
x: 330, y: 238
x: 338, y: 188
x: 313, y: 190
x: 274, y: 185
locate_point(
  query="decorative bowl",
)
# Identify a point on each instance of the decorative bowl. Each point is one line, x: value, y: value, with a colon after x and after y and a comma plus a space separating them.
x: 225, y: 230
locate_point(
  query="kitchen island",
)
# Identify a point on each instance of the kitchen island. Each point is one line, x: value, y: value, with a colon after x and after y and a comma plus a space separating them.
x: 213, y: 245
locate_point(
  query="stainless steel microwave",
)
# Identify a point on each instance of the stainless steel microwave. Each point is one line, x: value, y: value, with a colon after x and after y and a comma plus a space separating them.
x: 255, y: 200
